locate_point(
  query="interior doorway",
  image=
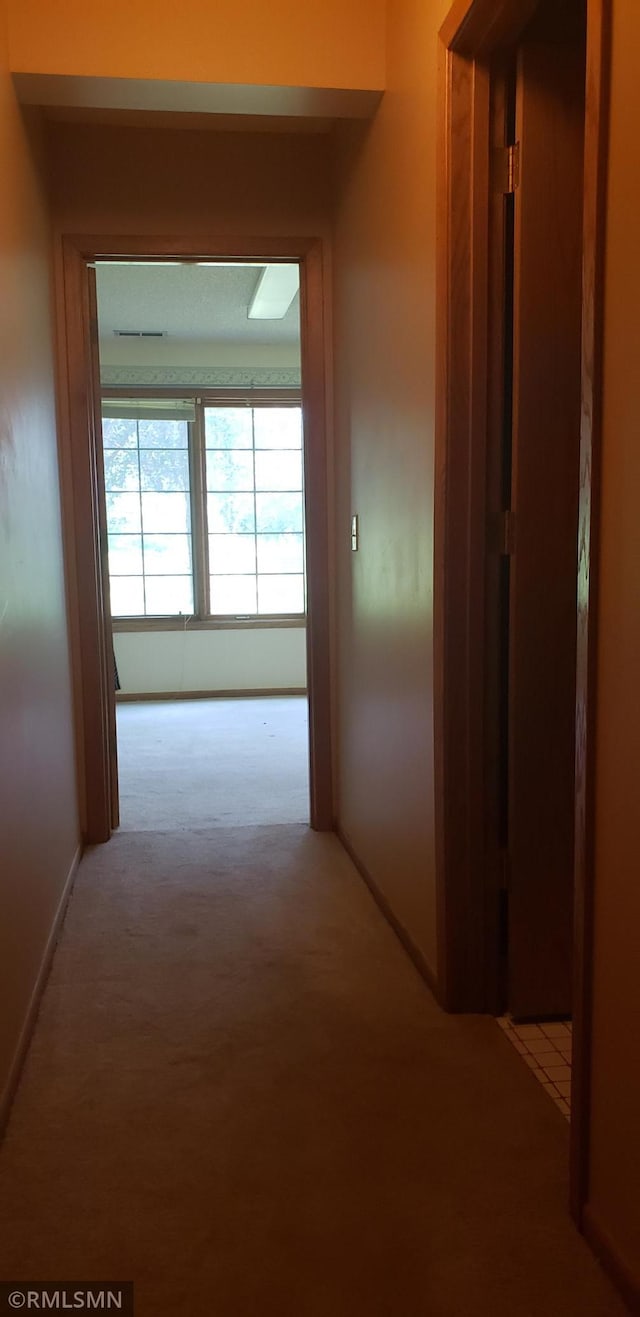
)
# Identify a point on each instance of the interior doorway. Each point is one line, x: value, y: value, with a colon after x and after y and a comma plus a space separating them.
x: 87, y: 511
x: 520, y: 278
x: 537, y: 94
x: 202, y: 461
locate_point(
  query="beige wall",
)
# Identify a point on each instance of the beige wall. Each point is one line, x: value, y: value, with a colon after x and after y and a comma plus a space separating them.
x: 339, y: 43
x: 193, y: 352
x: 384, y: 365
x: 614, y: 1199
x: 37, y: 778
x: 213, y: 660
x: 384, y: 302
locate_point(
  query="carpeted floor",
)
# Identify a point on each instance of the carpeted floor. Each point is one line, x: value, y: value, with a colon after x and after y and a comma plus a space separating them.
x: 241, y: 1095
x: 213, y: 763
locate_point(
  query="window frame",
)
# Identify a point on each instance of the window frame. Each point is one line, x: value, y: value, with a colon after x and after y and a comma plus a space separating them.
x: 202, y: 619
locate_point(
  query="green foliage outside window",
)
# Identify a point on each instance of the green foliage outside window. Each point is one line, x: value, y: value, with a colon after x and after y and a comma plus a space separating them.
x: 252, y: 513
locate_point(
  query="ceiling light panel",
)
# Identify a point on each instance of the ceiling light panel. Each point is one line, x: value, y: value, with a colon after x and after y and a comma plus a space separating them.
x: 274, y: 292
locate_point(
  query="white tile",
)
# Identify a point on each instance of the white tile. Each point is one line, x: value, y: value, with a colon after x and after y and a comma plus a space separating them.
x: 548, y: 1058
x: 554, y: 1030
x: 527, y: 1031
x: 546, y: 1050
x: 539, y: 1046
x: 558, y: 1072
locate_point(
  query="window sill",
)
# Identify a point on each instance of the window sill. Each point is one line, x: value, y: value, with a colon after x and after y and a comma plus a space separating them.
x: 123, y: 624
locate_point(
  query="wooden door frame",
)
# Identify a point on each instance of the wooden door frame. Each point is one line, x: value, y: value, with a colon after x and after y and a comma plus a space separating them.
x: 81, y: 467
x: 474, y: 31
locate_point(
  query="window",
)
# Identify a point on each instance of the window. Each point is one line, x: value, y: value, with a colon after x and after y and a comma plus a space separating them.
x: 225, y: 477
x: 146, y: 473
x: 254, y: 509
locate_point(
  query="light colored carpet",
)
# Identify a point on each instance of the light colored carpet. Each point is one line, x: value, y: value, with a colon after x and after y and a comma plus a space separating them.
x: 241, y: 1095
x: 212, y: 763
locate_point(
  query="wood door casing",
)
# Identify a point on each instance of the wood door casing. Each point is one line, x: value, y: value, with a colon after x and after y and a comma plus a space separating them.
x: 499, y: 425
x: 95, y: 400
x: 545, y: 482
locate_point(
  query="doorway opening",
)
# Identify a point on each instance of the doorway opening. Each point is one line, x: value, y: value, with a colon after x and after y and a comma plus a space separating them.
x: 537, y: 103
x: 537, y: 94
x: 202, y: 459
x: 520, y: 279
x: 82, y: 403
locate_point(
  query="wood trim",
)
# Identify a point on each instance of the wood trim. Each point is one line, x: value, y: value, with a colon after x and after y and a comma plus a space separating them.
x: 495, y: 802
x: 459, y: 526
x: 544, y: 481
x: 476, y: 28
x: 316, y: 500
x: 97, y: 453
x: 440, y: 688
x: 93, y: 639
x: 142, y: 624
x: 265, y: 397
x: 31, y: 1015
x: 78, y: 251
x: 415, y: 955
x: 616, y: 1267
x: 271, y: 692
x: 69, y: 532
x: 104, y: 247
x: 594, y: 234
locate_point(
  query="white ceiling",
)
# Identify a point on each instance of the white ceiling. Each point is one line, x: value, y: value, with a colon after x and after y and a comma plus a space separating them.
x: 188, y: 302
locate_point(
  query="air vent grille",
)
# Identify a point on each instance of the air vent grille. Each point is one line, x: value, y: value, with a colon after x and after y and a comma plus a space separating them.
x: 140, y: 333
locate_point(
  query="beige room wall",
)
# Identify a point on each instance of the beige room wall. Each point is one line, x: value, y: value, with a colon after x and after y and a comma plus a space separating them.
x: 214, y: 660
x: 339, y: 43
x: 614, y: 1197
x: 38, y: 816
x: 168, y: 353
x: 384, y: 380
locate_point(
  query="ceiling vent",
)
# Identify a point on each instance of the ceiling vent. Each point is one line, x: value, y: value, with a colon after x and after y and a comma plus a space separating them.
x: 140, y: 333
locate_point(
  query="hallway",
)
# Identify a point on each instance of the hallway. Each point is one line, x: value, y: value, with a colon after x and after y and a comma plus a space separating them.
x: 241, y: 1095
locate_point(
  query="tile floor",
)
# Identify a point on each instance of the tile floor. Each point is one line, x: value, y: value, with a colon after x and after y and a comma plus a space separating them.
x: 546, y: 1049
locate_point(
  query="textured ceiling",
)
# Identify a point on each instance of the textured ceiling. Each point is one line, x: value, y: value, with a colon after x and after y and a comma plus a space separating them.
x: 188, y: 302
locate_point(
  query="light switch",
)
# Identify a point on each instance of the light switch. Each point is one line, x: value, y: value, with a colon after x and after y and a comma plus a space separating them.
x: 354, y: 533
